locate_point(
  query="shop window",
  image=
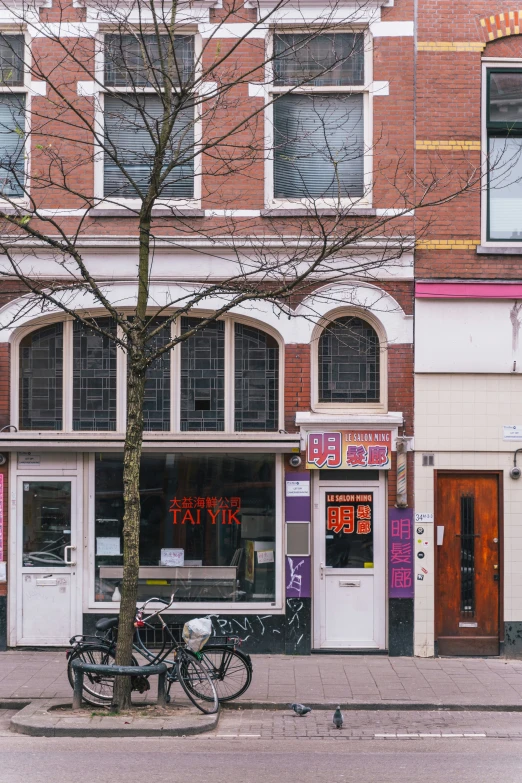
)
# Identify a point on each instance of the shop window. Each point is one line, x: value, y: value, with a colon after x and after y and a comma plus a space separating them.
x: 156, y: 409
x: 256, y: 380
x: 203, y: 377
x: 207, y: 527
x: 504, y: 127
x: 319, y: 135
x: 12, y: 116
x: 41, y: 379
x: 349, y: 362
x: 94, y: 377
x: 136, y: 62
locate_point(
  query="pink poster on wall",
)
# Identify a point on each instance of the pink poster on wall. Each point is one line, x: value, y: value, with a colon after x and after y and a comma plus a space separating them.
x: 1, y: 517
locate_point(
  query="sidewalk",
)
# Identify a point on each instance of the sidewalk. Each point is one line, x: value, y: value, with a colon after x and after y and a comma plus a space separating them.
x: 317, y: 680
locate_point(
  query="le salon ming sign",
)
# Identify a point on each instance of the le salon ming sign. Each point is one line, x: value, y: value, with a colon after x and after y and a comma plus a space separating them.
x: 356, y: 449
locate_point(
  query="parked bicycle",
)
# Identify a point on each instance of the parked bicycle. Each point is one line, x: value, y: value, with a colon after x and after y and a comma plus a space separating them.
x: 218, y: 673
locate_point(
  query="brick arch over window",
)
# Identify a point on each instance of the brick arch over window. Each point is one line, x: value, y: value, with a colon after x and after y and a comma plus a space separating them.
x: 501, y: 25
x: 349, y: 362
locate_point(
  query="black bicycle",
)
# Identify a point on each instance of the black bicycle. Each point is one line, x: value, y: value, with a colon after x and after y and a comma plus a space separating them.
x: 185, y: 666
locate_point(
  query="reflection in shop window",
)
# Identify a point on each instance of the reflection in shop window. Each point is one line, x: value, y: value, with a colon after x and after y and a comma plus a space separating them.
x: 207, y: 529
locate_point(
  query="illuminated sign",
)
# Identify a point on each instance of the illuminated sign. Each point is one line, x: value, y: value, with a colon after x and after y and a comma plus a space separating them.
x: 360, y: 449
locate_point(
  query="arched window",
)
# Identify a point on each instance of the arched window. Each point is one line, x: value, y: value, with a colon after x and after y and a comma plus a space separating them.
x: 349, y: 362
x: 227, y: 379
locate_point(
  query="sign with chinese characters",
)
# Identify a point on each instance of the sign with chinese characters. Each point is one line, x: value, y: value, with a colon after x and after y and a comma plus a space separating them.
x: 400, y: 552
x: 1, y: 517
x: 198, y: 510
x: 349, y: 529
x: 359, y: 449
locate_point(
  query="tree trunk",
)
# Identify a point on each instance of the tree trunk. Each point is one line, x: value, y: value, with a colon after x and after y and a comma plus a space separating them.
x: 131, y: 531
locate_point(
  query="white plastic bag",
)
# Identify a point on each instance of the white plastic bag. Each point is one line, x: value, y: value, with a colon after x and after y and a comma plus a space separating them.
x: 197, y: 632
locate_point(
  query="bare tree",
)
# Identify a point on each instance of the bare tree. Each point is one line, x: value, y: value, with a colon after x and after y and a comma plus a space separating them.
x: 165, y: 124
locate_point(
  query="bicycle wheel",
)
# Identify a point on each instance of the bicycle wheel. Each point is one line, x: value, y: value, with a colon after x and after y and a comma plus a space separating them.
x: 229, y: 669
x: 196, y: 683
x: 97, y: 688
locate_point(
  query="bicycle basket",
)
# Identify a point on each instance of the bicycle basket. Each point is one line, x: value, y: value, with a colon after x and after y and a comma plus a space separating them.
x: 154, y: 637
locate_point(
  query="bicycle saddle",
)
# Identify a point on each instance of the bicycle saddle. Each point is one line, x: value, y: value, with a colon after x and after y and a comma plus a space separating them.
x: 105, y: 623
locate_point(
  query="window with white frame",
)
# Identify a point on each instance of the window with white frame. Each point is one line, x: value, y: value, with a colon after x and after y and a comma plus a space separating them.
x: 12, y: 116
x: 504, y: 131
x: 146, y: 87
x: 318, y: 116
x: 349, y: 363
x: 227, y: 379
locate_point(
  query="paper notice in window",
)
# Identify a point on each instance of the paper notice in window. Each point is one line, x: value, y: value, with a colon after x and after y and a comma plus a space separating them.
x: 108, y: 546
x: 172, y: 557
x: 265, y: 557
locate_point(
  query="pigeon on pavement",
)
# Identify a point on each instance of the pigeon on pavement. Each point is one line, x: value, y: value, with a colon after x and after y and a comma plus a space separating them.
x: 300, y: 709
x: 338, y: 719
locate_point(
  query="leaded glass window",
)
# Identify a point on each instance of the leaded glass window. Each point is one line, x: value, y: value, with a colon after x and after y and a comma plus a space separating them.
x: 256, y: 380
x: 203, y: 377
x: 349, y: 359
x: 330, y: 59
x: 136, y: 61
x: 94, y: 377
x: 156, y: 407
x: 41, y: 379
x: 11, y: 60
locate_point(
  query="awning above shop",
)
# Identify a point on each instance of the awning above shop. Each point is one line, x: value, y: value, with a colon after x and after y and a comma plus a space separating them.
x: 263, y: 442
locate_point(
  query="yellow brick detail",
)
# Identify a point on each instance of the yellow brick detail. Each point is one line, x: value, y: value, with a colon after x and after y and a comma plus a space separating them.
x: 447, y: 244
x: 511, y: 14
x: 448, y: 145
x: 483, y: 22
x: 501, y: 17
x: 451, y: 46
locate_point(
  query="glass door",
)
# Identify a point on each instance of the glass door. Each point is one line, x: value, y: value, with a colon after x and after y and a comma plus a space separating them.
x: 48, y: 561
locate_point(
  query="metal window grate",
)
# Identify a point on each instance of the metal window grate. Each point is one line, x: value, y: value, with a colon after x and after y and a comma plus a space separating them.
x: 467, y: 555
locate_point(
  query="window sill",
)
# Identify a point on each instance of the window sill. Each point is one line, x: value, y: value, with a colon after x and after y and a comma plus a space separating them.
x: 127, y: 213
x: 304, y: 211
x: 501, y: 250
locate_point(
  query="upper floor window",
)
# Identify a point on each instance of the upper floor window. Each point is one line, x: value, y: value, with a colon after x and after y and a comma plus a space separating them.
x: 136, y: 70
x: 349, y: 363
x: 12, y: 116
x: 227, y: 379
x: 318, y: 130
x: 504, y: 128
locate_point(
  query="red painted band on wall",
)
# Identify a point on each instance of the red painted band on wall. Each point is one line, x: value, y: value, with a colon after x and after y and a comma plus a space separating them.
x: 468, y: 290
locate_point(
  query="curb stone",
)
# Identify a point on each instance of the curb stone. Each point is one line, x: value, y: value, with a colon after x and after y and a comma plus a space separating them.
x: 377, y: 706
x: 37, y: 719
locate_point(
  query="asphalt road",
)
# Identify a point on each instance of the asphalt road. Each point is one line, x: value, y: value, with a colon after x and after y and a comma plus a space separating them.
x: 243, y: 760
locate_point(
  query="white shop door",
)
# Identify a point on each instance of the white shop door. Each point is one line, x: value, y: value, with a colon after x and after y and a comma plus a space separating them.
x: 49, y: 605
x: 350, y: 568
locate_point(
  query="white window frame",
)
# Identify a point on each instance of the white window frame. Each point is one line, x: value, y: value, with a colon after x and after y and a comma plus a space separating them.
x: 364, y: 201
x: 21, y: 89
x: 121, y: 371
x: 99, y: 121
x: 91, y: 606
x: 350, y: 407
x: 487, y: 64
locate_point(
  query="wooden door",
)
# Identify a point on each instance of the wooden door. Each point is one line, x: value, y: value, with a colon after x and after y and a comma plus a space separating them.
x: 467, y: 588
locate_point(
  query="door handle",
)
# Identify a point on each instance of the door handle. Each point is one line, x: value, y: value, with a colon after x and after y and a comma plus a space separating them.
x: 68, y: 562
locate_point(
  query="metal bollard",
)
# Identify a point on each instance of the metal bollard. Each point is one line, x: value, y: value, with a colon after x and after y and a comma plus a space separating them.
x: 162, y: 701
x: 78, y: 687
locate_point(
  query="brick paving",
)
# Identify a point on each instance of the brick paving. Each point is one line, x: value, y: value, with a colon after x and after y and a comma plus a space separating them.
x: 318, y: 679
x: 368, y: 724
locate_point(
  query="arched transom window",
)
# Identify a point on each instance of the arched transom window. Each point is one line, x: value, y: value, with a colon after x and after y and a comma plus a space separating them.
x: 224, y: 377
x: 349, y: 363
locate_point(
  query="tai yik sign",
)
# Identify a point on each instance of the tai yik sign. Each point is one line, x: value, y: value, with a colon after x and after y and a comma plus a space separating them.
x: 349, y: 449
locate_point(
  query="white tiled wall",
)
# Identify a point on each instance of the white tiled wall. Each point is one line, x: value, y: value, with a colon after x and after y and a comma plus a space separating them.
x: 459, y: 418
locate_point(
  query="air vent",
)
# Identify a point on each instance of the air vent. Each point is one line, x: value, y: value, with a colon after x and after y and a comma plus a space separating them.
x: 428, y: 460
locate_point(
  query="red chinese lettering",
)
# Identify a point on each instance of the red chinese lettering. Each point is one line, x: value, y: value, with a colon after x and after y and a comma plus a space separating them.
x: 377, y: 455
x: 235, y: 502
x: 364, y: 512
x: 174, y: 503
x: 356, y: 455
x: 187, y: 503
x: 211, y: 502
x: 363, y: 528
x: 199, y: 502
x: 400, y: 553
x: 324, y: 448
x: 341, y: 519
